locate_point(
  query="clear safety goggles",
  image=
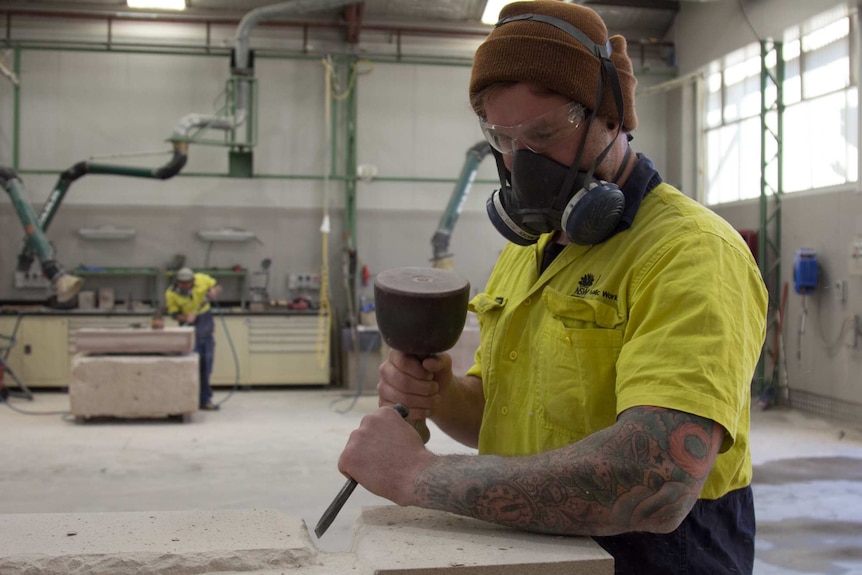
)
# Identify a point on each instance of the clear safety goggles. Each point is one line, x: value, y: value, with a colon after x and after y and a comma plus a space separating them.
x: 538, y: 134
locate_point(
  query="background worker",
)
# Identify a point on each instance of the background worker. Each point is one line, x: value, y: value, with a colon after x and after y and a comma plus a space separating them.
x: 620, y: 329
x: 188, y: 301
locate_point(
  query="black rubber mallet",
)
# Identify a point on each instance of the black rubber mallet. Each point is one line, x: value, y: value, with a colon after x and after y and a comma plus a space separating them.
x: 421, y: 311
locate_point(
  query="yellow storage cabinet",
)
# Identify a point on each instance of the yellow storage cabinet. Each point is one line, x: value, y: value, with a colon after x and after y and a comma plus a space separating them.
x: 39, y: 356
x: 224, y: 365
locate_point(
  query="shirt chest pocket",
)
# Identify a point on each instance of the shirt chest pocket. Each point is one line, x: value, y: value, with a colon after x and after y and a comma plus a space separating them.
x: 579, y: 345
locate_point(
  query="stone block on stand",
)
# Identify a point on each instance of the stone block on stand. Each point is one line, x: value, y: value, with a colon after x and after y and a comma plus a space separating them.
x: 134, y: 386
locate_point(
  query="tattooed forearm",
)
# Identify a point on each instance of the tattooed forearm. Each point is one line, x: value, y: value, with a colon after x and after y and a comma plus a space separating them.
x: 642, y: 474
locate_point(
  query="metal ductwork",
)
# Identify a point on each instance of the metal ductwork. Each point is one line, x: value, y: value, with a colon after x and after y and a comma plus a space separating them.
x: 239, y: 90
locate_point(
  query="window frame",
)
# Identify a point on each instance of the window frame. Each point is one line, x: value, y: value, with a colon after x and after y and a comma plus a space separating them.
x: 710, y: 126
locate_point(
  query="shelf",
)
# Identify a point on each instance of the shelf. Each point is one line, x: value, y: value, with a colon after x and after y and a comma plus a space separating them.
x: 106, y: 271
x: 114, y: 271
x: 214, y: 272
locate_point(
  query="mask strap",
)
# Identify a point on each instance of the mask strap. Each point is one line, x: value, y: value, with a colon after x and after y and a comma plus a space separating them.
x: 574, y: 169
x: 502, y: 171
x: 608, y: 70
x: 623, y: 165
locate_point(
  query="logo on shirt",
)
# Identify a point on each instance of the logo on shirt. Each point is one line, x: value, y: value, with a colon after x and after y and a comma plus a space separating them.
x: 585, y: 288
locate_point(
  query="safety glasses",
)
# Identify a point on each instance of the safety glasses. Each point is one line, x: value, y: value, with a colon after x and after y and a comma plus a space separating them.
x: 538, y: 134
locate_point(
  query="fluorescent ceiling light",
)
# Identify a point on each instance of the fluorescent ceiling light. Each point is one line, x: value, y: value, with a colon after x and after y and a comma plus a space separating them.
x: 158, y: 4
x: 492, y: 11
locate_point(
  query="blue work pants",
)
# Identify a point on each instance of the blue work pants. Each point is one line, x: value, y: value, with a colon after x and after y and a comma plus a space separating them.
x: 205, y: 348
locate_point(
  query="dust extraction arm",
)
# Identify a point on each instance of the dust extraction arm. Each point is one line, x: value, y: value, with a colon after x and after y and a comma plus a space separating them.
x: 66, y: 285
x: 55, y: 198
x: 440, y: 240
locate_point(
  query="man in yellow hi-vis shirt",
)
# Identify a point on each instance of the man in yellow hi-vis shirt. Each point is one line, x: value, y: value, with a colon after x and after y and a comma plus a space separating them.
x: 620, y: 329
x: 188, y: 301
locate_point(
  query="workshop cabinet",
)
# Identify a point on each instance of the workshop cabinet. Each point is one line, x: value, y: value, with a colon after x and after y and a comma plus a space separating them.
x: 233, y: 330
x: 39, y: 356
x: 288, y: 350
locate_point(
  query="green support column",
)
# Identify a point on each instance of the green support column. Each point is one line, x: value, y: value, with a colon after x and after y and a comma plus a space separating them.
x: 16, y: 113
x: 350, y: 162
x: 349, y: 135
x: 771, y: 191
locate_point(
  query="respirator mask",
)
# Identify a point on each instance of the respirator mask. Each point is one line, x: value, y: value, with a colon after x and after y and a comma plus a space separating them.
x: 540, y: 195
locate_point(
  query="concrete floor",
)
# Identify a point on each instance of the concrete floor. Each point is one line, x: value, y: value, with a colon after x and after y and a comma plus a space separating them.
x: 277, y: 449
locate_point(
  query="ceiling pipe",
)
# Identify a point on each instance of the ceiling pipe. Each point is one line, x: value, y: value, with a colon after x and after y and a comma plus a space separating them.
x: 272, y: 12
x: 427, y: 28
x: 262, y: 14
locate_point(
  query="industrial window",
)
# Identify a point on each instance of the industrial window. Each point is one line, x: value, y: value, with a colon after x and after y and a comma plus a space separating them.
x: 820, y: 94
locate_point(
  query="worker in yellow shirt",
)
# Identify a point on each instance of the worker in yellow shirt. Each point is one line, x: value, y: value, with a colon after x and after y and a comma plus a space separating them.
x: 620, y: 329
x: 188, y: 301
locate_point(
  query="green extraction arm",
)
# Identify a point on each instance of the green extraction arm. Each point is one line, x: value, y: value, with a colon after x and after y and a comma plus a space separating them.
x: 30, y: 248
x: 36, y: 243
x: 440, y: 240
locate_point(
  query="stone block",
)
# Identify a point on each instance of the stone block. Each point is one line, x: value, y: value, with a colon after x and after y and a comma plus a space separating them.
x: 130, y: 341
x: 134, y: 386
x: 157, y: 542
x: 388, y: 540
x: 413, y: 541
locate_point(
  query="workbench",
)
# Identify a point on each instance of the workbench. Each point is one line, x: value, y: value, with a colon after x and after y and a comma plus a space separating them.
x: 272, y: 348
x: 158, y: 280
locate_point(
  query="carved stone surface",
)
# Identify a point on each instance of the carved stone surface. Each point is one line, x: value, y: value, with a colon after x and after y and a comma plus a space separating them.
x: 170, y: 340
x: 388, y: 540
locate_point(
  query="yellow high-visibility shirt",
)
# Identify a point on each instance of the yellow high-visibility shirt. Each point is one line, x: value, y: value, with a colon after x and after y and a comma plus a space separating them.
x: 186, y: 304
x: 669, y: 313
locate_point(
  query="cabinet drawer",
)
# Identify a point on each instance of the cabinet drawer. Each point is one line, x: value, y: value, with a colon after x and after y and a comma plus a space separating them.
x: 284, y: 334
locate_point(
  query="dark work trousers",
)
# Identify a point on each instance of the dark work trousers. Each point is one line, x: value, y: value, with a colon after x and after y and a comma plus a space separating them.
x: 205, y: 348
x: 717, y: 538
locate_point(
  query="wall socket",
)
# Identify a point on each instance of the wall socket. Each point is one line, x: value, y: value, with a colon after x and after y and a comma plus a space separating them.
x: 841, y: 291
x: 305, y: 281
x: 854, y: 267
x: 31, y: 280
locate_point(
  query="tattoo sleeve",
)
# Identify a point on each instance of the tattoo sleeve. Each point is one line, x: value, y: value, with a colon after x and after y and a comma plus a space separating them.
x: 644, y: 473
